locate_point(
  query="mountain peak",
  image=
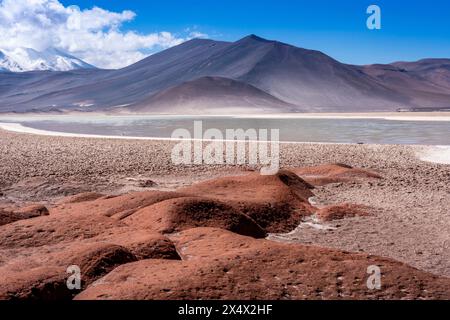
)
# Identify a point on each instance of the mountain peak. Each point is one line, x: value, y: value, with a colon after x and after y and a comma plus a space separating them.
x: 28, y: 59
x: 199, y: 40
x: 254, y: 37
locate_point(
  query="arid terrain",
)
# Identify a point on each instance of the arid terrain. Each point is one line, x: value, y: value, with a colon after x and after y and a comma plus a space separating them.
x: 140, y: 227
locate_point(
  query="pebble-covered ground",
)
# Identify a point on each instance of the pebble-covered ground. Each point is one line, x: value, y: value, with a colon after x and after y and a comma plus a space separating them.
x: 410, y: 219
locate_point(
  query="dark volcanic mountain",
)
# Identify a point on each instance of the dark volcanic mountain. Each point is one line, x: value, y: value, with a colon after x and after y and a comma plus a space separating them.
x: 218, y: 77
x: 213, y: 94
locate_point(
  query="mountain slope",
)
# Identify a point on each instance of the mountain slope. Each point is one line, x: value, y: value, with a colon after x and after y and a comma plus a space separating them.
x: 426, y: 82
x: 312, y: 79
x: 109, y: 89
x: 26, y: 59
x: 307, y: 79
x: 212, y: 94
x: 436, y: 71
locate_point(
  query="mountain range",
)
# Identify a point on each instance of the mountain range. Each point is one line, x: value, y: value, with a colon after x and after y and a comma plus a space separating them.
x: 27, y: 59
x: 250, y: 75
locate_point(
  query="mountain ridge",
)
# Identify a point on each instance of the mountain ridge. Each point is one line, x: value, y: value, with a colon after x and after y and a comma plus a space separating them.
x: 51, y: 59
x: 307, y: 79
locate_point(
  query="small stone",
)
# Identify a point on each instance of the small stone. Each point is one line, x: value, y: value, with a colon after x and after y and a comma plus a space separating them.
x: 147, y: 183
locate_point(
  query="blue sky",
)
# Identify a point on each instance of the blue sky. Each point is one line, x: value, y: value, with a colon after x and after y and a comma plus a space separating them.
x: 410, y: 29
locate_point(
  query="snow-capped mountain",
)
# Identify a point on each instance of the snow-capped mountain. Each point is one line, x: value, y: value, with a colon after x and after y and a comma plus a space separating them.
x: 27, y: 59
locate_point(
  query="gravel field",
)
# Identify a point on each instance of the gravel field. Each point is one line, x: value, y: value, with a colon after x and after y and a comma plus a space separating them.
x: 410, y: 220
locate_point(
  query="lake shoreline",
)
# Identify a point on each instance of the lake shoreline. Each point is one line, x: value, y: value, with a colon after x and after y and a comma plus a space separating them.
x: 403, y: 116
x: 364, y: 129
x: 431, y: 153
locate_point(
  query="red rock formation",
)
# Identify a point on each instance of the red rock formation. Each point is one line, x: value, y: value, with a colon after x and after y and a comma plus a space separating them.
x: 40, y: 272
x: 333, y: 173
x: 32, y: 211
x: 48, y: 280
x: 191, y: 244
x: 218, y: 264
x: 178, y: 214
x: 82, y: 197
x: 277, y: 203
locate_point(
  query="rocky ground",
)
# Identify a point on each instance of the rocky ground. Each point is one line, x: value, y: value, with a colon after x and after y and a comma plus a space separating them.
x: 138, y: 222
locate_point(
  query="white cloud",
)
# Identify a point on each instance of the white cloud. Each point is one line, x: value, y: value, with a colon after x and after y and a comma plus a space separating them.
x: 93, y: 35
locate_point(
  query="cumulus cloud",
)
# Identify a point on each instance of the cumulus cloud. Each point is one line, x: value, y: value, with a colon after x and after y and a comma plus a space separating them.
x: 93, y: 35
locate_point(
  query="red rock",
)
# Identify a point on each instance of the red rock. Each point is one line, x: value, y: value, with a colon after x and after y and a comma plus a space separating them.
x: 118, y: 206
x: 36, y: 210
x: 153, y: 247
x: 100, y: 260
x: 118, y: 242
x: 277, y: 203
x: 142, y: 243
x: 82, y: 197
x: 333, y: 173
x: 25, y: 282
x: 178, y: 214
x: 41, y: 273
x: 34, y: 254
x: 55, y: 228
x: 219, y: 264
x: 33, y: 211
x: 35, y: 284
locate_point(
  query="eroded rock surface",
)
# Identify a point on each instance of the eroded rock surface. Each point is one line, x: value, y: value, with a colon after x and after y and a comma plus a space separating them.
x: 199, y: 242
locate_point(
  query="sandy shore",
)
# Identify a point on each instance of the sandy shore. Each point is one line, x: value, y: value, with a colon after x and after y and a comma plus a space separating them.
x: 394, y: 116
x: 411, y: 204
x: 401, y: 116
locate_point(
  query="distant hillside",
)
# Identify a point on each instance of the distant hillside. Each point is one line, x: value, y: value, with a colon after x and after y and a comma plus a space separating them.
x: 212, y: 94
x: 214, y: 76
